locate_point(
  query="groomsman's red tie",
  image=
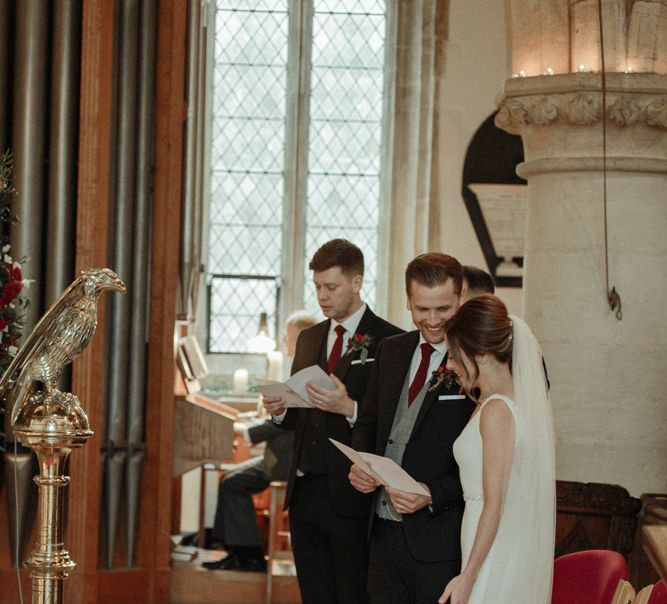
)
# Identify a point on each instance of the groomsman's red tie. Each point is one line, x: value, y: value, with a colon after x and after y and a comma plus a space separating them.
x: 337, y: 349
x: 420, y: 377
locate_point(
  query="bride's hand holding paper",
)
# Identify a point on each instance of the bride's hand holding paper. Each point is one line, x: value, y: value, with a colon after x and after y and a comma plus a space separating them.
x: 333, y: 401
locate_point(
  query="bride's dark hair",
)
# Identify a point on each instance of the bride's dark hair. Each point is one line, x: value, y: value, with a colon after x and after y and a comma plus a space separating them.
x: 479, y: 326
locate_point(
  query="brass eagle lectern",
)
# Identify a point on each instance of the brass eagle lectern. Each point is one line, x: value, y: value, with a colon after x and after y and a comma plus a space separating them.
x: 51, y: 422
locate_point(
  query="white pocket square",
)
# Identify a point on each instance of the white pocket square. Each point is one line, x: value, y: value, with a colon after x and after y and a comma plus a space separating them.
x: 360, y: 362
x: 450, y: 397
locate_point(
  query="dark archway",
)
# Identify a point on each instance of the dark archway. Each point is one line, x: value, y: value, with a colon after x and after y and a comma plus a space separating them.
x: 492, y: 157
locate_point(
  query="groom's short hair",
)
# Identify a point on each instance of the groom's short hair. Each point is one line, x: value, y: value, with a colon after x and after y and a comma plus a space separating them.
x: 339, y: 252
x: 433, y: 269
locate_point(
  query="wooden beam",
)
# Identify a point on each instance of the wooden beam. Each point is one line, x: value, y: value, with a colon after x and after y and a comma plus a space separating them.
x: 82, y: 535
x: 168, y: 181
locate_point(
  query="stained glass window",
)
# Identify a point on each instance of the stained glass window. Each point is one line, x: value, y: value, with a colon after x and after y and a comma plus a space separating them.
x: 254, y: 87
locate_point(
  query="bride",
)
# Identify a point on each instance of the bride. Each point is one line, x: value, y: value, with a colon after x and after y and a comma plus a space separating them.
x: 506, y: 459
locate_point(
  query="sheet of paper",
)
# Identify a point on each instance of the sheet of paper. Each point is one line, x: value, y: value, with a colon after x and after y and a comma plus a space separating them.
x: 386, y: 471
x: 293, y: 391
x: 314, y: 374
x: 273, y: 388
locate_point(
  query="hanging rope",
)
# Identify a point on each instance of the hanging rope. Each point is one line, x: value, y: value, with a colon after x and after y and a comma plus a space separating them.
x: 613, y: 297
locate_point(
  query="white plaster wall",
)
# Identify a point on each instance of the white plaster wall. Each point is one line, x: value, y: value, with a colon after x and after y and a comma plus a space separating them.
x: 476, y: 65
x: 608, y: 378
x: 608, y: 390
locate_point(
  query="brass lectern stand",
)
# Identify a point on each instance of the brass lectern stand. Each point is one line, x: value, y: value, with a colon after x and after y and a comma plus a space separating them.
x: 51, y: 422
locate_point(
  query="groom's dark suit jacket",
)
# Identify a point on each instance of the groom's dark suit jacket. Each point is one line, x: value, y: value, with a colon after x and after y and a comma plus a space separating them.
x: 312, y: 427
x: 432, y: 534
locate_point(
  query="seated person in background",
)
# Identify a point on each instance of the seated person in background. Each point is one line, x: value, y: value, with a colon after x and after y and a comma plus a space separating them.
x: 235, y: 525
x: 476, y: 282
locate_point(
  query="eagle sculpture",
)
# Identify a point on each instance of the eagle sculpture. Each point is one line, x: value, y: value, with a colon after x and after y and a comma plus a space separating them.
x: 59, y: 337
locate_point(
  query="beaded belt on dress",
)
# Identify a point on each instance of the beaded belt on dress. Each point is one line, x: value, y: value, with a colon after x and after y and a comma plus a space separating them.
x: 467, y: 497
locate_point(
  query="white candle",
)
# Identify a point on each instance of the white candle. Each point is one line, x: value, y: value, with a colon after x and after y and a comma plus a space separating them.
x: 240, y: 380
x: 275, y: 371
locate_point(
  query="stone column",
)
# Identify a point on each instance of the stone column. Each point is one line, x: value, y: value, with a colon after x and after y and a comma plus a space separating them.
x: 608, y: 376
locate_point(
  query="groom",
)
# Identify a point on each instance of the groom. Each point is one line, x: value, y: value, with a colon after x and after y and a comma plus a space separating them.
x: 412, y: 413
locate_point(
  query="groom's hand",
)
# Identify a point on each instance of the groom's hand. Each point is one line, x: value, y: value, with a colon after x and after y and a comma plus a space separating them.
x: 362, y: 481
x: 408, y: 503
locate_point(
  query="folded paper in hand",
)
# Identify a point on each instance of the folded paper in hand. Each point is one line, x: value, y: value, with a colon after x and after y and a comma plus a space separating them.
x: 293, y: 391
x: 386, y: 471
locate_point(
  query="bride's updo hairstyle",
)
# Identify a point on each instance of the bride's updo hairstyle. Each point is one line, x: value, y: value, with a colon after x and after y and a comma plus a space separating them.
x: 480, y: 326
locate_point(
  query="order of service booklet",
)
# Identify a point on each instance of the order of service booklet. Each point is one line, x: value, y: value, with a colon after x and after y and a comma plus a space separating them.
x: 386, y: 471
x: 293, y: 391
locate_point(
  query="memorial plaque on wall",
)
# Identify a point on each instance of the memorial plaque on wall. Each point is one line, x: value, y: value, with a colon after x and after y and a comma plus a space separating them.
x: 504, y: 208
x: 496, y: 200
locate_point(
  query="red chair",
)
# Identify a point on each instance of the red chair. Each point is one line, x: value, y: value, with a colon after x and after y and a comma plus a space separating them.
x: 588, y: 577
x: 652, y: 594
x: 658, y: 594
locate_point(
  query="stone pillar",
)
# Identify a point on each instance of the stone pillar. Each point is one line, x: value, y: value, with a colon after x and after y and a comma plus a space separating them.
x: 608, y: 376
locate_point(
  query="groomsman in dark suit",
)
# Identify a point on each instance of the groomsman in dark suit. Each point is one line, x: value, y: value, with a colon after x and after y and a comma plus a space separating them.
x: 476, y: 282
x: 412, y: 413
x: 328, y: 518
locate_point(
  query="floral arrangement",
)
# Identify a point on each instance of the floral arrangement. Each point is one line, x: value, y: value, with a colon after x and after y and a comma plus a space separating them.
x: 359, y: 343
x: 12, y: 307
x: 443, y: 377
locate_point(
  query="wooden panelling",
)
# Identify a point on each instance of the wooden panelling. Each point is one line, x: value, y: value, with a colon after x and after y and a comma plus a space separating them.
x: 594, y: 516
x: 653, y: 514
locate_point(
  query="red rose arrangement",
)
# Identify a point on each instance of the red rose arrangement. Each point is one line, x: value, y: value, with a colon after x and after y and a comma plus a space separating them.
x: 12, y: 306
x: 359, y: 343
x: 444, y: 377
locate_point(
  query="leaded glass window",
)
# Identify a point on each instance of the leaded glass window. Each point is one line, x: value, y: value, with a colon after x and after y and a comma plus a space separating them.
x: 296, y: 125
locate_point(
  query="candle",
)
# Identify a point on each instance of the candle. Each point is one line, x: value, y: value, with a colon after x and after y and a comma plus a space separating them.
x: 240, y: 380
x: 275, y: 359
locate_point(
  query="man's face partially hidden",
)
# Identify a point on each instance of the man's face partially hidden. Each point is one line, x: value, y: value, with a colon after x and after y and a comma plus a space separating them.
x: 431, y: 307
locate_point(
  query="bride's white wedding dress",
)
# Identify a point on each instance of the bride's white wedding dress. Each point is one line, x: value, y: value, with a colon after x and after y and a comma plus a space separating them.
x: 518, y: 568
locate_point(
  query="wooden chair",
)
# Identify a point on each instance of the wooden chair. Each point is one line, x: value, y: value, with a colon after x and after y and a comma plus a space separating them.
x: 279, y: 542
x: 624, y: 594
x: 588, y: 577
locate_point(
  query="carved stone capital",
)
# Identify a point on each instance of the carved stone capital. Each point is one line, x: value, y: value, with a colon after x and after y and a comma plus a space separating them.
x: 577, y: 99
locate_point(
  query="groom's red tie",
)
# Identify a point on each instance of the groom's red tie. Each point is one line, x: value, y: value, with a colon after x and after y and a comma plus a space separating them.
x: 420, y: 377
x: 337, y: 349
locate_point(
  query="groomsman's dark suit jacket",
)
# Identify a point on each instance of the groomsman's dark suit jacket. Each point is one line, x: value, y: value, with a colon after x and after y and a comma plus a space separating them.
x: 432, y: 534
x: 311, y: 349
